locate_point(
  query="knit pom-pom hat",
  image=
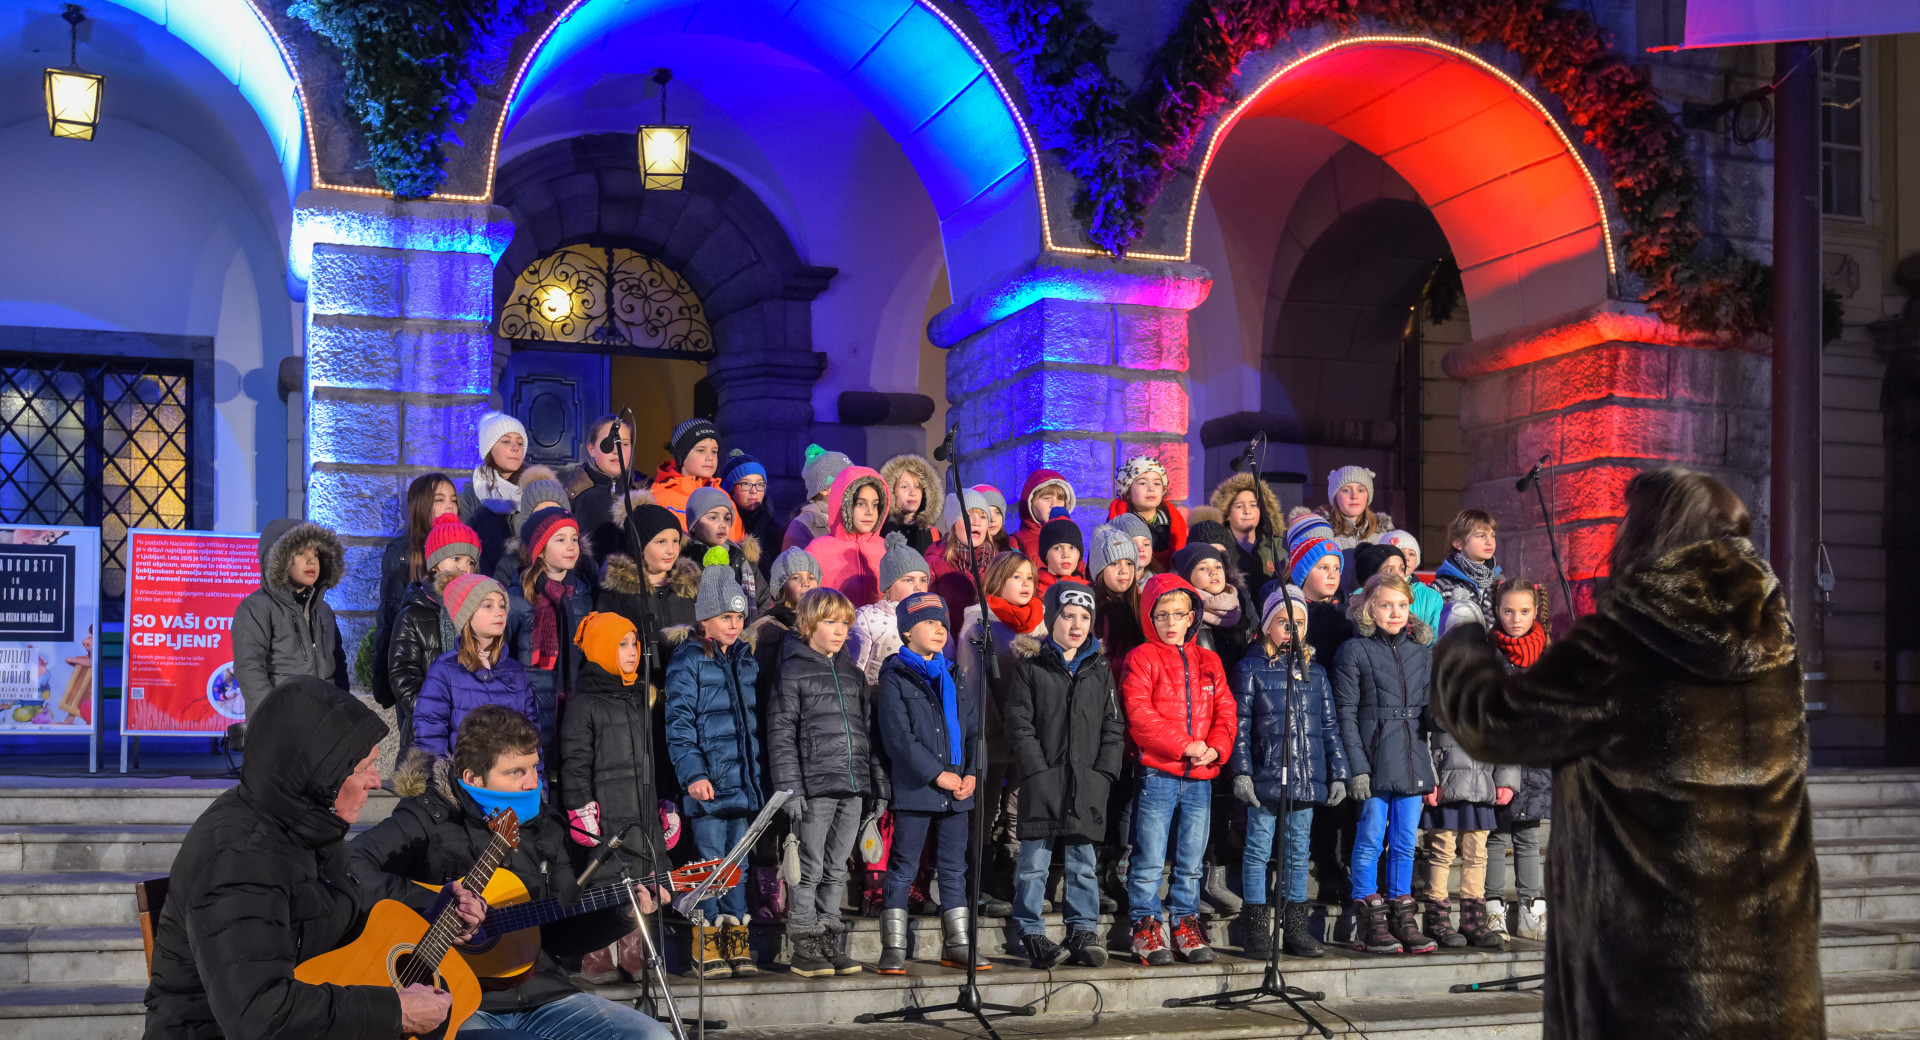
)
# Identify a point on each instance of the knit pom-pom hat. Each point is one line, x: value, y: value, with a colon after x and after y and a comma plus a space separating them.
x: 463, y: 596
x: 449, y: 537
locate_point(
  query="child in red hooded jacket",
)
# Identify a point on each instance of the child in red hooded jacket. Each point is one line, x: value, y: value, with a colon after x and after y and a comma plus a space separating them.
x: 1182, y: 717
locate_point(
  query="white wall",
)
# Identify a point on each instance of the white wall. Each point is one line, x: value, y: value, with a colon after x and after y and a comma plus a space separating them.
x: 133, y: 232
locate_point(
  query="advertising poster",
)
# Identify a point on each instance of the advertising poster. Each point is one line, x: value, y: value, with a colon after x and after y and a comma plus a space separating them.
x: 49, y: 628
x: 182, y: 588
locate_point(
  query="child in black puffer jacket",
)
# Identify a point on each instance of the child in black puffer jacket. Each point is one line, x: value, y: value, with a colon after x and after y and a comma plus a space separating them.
x: 1521, y: 633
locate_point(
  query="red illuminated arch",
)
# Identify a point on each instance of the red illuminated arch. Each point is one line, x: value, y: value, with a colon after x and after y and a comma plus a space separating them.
x: 1525, y: 217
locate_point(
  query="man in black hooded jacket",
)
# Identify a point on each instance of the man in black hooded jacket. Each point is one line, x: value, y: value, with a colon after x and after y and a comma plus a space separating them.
x: 262, y: 883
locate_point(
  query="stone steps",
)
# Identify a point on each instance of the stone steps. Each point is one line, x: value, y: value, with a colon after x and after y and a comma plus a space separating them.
x: 1833, y: 789
x: 122, y: 801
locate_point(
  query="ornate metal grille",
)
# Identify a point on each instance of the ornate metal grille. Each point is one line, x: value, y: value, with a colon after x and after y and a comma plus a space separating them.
x: 614, y: 298
x: 96, y: 442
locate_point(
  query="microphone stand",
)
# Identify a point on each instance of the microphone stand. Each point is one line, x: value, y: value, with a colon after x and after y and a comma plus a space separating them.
x: 968, y: 1000
x: 654, y: 960
x: 1553, y: 539
x: 1273, y: 982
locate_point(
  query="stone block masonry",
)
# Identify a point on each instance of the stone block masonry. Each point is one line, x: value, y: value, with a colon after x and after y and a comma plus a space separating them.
x: 398, y: 363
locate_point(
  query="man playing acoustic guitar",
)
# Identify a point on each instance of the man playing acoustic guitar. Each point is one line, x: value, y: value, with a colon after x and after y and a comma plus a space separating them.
x: 262, y: 883
x: 439, y: 830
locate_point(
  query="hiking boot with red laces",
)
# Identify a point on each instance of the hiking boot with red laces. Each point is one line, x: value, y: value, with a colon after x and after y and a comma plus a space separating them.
x: 1150, y: 942
x: 1191, y: 941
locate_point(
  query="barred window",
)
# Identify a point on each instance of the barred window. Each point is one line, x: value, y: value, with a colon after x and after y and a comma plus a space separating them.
x: 1842, y: 122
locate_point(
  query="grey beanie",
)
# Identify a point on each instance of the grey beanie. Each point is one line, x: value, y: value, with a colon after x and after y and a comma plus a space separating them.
x: 720, y: 592
x: 1130, y: 525
x: 1278, y: 598
x: 543, y: 491
x: 705, y: 500
x: 900, y: 560
x: 973, y: 499
x: 820, y: 469
x: 794, y: 561
x: 1109, y: 544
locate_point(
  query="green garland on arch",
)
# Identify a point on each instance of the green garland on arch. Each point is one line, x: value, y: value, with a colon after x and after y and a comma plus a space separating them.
x: 1126, y: 147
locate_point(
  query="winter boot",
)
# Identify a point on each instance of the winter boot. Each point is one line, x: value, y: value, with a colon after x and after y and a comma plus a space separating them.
x: 1113, y: 884
x: 808, y: 961
x: 767, y: 896
x: 1296, y: 939
x: 1191, y: 940
x: 1258, y: 921
x: 599, y: 967
x: 1045, y: 954
x: 739, y: 950
x: 1214, y: 888
x: 1150, y: 942
x: 833, y: 946
x: 893, y: 942
x: 1533, y: 919
x: 1497, y: 915
x: 1439, y: 923
x: 873, y: 892
x: 1370, y: 931
x: 1474, y: 927
x: 1401, y: 914
x: 953, y: 948
x: 708, y: 952
x: 631, y: 953
x: 992, y: 906
x: 1086, y: 948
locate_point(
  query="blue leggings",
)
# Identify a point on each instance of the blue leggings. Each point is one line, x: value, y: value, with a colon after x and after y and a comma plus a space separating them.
x: 1396, y: 819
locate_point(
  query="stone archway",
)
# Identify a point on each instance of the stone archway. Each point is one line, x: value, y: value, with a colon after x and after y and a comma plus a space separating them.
x: 739, y: 260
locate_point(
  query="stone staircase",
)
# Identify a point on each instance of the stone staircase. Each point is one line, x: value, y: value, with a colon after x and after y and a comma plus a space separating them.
x: 71, y: 965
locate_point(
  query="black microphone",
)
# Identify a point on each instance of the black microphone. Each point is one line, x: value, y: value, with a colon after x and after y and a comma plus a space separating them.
x: 945, y: 450
x: 1245, y: 458
x: 1532, y: 474
x: 600, y: 856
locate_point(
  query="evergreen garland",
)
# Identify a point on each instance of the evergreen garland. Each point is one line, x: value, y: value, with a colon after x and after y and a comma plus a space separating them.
x: 1125, y: 148
x: 413, y: 69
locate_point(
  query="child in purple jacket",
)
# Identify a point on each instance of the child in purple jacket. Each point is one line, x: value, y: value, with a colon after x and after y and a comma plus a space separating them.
x: 475, y: 671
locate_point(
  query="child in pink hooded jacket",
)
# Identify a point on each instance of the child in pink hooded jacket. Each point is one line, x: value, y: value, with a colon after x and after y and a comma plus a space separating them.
x: 853, y: 547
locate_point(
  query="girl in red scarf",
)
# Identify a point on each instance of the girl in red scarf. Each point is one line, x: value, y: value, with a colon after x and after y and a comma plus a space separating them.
x: 1521, y: 633
x: 1017, y: 611
x: 543, y: 609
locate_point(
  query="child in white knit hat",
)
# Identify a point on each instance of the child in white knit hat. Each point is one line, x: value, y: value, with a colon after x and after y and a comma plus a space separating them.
x: 1350, y: 507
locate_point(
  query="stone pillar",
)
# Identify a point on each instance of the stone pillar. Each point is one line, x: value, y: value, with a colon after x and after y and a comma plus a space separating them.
x: 399, y: 364
x: 1075, y: 365
x: 763, y: 374
x: 1604, y: 396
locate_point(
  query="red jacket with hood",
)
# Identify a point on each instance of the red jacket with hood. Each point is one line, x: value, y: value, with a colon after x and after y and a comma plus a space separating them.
x: 1027, y: 539
x: 1176, y: 695
x: 851, y: 562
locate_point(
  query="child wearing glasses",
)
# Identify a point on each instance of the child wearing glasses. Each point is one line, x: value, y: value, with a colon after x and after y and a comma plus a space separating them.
x: 1181, y: 715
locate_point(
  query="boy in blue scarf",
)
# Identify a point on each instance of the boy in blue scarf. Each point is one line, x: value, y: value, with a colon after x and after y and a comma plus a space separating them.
x: 930, y: 733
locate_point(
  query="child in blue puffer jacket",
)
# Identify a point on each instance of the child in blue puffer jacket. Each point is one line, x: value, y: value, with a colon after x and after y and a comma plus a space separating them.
x: 1287, y: 750
x: 713, y: 739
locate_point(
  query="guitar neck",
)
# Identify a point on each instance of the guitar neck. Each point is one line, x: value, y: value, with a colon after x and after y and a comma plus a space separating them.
x: 504, y: 919
x: 434, y: 945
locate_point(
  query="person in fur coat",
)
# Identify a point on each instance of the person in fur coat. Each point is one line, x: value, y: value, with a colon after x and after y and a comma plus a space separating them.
x: 917, y: 500
x: 1674, y: 717
x: 1238, y: 504
x: 285, y: 627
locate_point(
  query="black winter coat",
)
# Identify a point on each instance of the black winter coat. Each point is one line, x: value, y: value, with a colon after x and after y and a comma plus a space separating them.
x: 1067, y: 738
x: 624, y: 591
x: 1533, y: 799
x: 820, y: 726
x: 607, y: 756
x: 437, y: 833
x: 1380, y: 683
x: 913, y: 736
x: 1686, y: 898
x: 394, y: 584
x: 590, y: 495
x: 418, y: 639
x: 1328, y: 628
x: 763, y: 528
x: 1303, y: 744
x: 262, y: 882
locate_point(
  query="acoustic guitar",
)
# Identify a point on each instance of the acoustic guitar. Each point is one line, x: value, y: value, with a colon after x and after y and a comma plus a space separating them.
x: 398, y: 948
x: 505, y: 951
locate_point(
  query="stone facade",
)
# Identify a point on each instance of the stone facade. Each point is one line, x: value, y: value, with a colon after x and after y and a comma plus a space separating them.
x: 398, y: 363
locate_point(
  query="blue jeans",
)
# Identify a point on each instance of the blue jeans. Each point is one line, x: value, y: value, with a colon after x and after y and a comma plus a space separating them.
x: 1396, y: 819
x: 715, y: 837
x: 1030, y: 885
x: 1262, y: 846
x: 581, y: 1016
x: 1168, y: 802
x: 952, y: 832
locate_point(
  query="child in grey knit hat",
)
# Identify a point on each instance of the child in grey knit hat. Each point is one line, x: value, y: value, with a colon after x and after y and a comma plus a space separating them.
x: 876, y: 633
x: 709, y: 520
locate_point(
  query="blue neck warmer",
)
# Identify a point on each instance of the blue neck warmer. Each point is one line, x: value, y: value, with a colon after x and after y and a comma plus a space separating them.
x: 1087, y: 649
x: 525, y: 804
x: 938, y: 672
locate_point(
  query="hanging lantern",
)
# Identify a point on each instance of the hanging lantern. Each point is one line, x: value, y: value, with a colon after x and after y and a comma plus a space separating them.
x: 664, y: 149
x: 73, y: 93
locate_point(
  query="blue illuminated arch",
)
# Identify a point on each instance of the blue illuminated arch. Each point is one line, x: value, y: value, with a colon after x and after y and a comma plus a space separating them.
x: 924, y: 81
x: 239, y: 42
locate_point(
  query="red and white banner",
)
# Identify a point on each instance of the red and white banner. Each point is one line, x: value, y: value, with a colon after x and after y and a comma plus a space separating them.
x: 182, y: 588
